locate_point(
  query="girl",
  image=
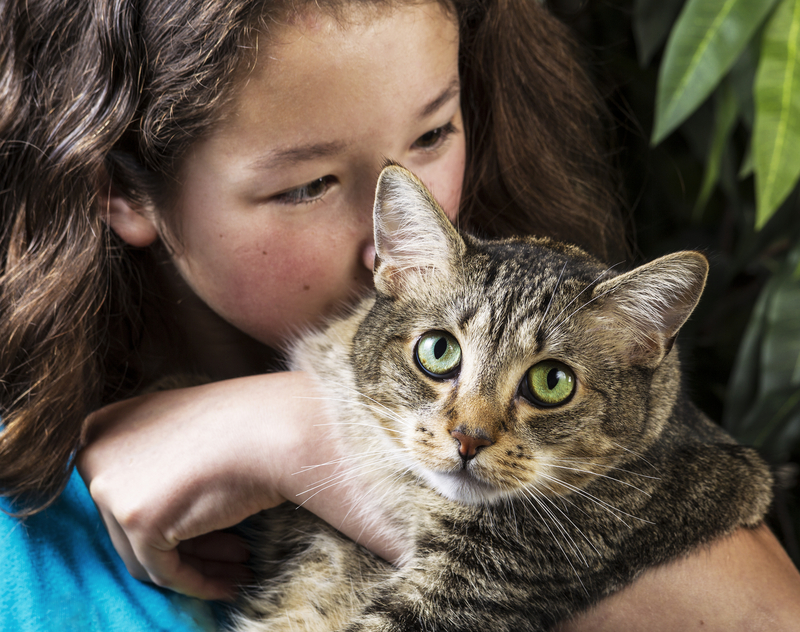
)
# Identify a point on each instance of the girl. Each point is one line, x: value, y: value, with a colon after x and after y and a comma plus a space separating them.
x: 186, y: 184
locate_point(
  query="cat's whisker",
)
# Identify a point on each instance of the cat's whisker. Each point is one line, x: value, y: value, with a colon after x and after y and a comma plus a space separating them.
x: 343, y: 459
x: 601, y: 503
x: 510, y: 504
x: 563, y: 499
x: 551, y: 330
x: 555, y: 539
x: 611, y: 478
x: 634, y: 453
x: 388, y: 411
x: 533, y: 495
x: 382, y: 410
x: 566, y: 516
x: 608, y: 467
x: 352, y: 423
x: 392, y: 475
x: 550, y: 302
x: 343, y: 475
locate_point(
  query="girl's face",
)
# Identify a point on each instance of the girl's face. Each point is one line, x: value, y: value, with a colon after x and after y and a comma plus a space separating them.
x: 274, y: 211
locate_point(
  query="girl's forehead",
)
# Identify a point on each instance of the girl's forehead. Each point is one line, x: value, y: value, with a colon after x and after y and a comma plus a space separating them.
x: 321, y: 65
x: 347, y: 27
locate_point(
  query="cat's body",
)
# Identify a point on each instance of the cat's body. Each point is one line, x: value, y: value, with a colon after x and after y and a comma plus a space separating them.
x: 517, y: 406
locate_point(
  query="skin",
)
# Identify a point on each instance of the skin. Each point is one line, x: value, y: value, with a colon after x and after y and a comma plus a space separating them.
x: 273, y: 232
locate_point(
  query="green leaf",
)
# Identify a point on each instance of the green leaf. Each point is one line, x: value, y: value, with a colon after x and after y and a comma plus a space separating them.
x: 748, y: 166
x: 776, y: 138
x: 724, y: 120
x: 763, y: 403
x: 707, y: 39
x: 773, y: 424
x: 743, y: 383
x: 743, y: 78
x: 652, y: 20
x: 780, y: 350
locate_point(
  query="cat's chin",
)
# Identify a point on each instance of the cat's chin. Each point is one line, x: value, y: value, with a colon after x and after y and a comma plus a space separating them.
x: 463, y: 487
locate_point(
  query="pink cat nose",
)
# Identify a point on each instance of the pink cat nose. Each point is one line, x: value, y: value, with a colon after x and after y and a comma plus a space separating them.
x: 469, y: 444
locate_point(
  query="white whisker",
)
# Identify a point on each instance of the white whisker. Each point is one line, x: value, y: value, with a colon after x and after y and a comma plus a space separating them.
x: 600, y: 503
x: 343, y: 459
x: 342, y: 477
x: 553, y: 330
x: 550, y: 302
x: 349, y: 423
x: 550, y: 330
x: 388, y: 411
x: 634, y: 453
x: 533, y: 495
x: 566, y: 516
x: 382, y: 410
x: 608, y: 467
x: 611, y: 478
x: 530, y: 500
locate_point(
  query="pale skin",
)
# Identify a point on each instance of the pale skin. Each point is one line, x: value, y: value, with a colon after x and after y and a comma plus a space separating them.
x: 274, y: 231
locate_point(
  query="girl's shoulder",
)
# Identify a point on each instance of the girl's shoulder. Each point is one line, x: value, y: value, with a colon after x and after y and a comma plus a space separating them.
x: 61, y: 572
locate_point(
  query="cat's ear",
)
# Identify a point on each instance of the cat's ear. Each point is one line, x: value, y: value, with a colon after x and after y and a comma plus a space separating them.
x: 413, y: 236
x: 647, y: 306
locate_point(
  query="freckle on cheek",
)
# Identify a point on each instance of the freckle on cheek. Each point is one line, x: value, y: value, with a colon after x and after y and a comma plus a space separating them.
x: 306, y: 287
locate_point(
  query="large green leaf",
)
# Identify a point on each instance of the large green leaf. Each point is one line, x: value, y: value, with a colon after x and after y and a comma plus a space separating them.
x: 780, y: 350
x: 743, y: 383
x: 724, y: 120
x: 776, y: 138
x: 773, y: 424
x: 763, y: 406
x: 707, y: 39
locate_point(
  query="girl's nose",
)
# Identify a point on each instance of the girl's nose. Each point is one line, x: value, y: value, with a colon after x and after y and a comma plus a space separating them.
x: 368, y: 256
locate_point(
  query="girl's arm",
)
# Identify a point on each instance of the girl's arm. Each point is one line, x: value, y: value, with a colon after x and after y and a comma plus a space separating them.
x: 742, y: 583
x: 169, y: 470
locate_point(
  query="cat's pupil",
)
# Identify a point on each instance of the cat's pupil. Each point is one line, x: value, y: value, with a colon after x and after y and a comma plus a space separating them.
x: 553, y: 378
x: 439, y: 348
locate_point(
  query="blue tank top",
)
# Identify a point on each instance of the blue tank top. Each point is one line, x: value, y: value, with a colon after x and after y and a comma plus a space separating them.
x: 60, y: 572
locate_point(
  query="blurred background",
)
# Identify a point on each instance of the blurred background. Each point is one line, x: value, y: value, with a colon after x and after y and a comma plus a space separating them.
x: 706, y: 98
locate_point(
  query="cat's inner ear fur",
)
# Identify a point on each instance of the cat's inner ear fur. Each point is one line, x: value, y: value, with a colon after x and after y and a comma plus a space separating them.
x: 413, y: 236
x: 644, y: 309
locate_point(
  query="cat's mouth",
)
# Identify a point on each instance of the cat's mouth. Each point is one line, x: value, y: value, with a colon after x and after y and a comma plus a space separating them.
x: 463, y: 487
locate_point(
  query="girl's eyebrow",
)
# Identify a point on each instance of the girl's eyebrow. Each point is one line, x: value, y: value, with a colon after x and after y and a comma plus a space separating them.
x: 311, y: 151
x: 451, y: 91
x: 299, y: 153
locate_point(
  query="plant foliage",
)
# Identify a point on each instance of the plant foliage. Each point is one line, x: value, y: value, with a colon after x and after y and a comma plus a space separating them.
x: 707, y: 95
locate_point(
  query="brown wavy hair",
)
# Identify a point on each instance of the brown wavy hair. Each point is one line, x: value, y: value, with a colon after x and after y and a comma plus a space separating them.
x: 120, y: 89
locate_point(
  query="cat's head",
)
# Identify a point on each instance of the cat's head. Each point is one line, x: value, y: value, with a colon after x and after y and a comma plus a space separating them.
x: 506, y: 365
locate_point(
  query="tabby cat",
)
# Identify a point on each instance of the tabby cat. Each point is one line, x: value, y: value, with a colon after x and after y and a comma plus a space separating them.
x: 517, y: 404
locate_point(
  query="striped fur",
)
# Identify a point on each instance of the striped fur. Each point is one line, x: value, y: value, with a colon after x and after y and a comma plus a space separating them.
x: 568, y: 503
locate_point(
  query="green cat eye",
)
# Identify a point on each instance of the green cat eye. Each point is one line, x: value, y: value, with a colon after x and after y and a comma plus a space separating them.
x: 438, y: 354
x: 550, y: 383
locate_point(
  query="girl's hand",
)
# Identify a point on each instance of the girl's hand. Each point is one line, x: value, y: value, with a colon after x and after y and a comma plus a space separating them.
x: 169, y: 470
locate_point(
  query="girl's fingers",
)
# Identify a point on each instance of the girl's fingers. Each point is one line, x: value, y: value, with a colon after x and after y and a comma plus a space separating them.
x: 228, y: 577
x: 169, y: 570
x: 216, y: 546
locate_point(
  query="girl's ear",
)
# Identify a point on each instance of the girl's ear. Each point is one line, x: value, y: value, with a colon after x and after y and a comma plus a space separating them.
x: 134, y: 223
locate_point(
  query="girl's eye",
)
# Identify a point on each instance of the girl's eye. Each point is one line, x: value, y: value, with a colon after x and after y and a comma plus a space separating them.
x: 309, y: 192
x: 438, y: 354
x: 549, y: 383
x: 435, y: 137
